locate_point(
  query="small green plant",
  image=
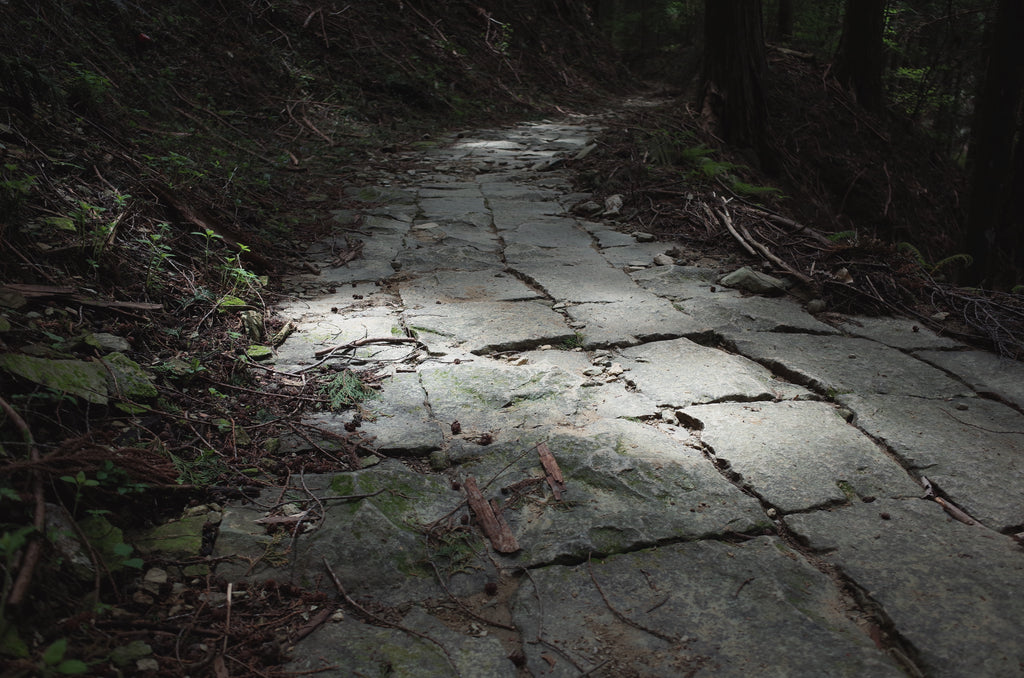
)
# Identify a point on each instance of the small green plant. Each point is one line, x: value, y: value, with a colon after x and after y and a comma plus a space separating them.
x: 346, y: 390
x: 79, y: 481
x: 202, y: 470
x: 966, y: 260
x: 160, y: 252
x: 236, y: 276
x: 209, y: 237
x: 573, y: 342
x: 53, y: 662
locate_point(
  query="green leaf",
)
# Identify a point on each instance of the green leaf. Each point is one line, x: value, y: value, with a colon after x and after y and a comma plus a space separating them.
x: 72, y: 667
x: 134, y: 563
x: 55, y: 653
x: 122, y: 549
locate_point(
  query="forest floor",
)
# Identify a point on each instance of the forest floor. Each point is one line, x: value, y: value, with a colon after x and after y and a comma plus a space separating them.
x: 157, y: 187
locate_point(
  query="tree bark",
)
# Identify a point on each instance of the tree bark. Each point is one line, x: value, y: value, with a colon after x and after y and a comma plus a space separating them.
x: 784, y: 20
x: 858, y: 62
x: 994, y: 228
x: 735, y: 68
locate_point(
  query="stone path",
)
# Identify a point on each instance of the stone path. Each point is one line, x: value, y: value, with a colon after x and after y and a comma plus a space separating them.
x: 749, y: 491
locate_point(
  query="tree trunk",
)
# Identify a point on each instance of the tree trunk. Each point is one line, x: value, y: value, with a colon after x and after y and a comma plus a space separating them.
x: 858, y: 63
x: 784, y: 20
x: 735, y: 67
x: 994, y: 229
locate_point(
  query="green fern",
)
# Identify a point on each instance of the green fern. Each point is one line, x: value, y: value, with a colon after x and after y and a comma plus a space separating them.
x: 964, y: 259
x: 752, y: 191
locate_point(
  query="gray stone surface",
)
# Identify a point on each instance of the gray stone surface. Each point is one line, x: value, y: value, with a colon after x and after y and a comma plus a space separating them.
x: 971, y: 449
x: 837, y: 365
x: 699, y: 609
x: 640, y: 317
x: 428, y: 290
x: 984, y: 372
x: 716, y: 518
x: 484, y: 327
x: 896, y: 332
x: 678, y: 373
x: 626, y: 488
x: 795, y: 466
x: 949, y: 589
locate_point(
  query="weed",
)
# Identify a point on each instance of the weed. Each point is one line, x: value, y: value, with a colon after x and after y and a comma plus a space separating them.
x: 573, y: 342
x: 964, y: 259
x: 346, y: 390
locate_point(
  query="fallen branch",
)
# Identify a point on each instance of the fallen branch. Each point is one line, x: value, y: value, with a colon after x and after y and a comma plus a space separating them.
x: 491, y: 522
x: 724, y: 219
x: 774, y: 259
x: 553, y: 474
x: 365, y: 342
x: 19, y: 589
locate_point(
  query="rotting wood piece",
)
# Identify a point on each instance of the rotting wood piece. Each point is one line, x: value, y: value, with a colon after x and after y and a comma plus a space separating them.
x: 553, y: 474
x: 491, y: 521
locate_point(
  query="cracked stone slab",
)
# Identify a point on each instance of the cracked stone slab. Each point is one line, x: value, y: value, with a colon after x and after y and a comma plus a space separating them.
x: 636, y: 254
x: 562, y: 280
x: 397, y: 417
x: 948, y: 588
x: 353, y: 648
x: 510, y: 215
x: 846, y: 365
x: 800, y: 455
x: 984, y: 372
x: 553, y: 233
x: 972, y: 449
x: 372, y: 543
x: 678, y: 373
x: 317, y: 331
x: 708, y: 608
x: 427, y: 290
x: 638, y: 318
x: 896, y: 332
x: 627, y: 487
x: 452, y: 253
x: 678, y: 282
x: 432, y: 232
x: 492, y: 397
x: 488, y: 326
x: 453, y: 207
x: 732, y: 315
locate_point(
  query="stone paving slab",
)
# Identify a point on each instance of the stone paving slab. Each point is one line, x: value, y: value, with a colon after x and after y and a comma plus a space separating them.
x: 799, y: 455
x: 837, y: 365
x: 428, y: 290
x: 719, y: 519
x: 678, y: 373
x: 315, y: 332
x: 985, y: 373
x: 562, y: 281
x: 708, y: 608
x: 492, y: 397
x: 733, y: 315
x: 354, y: 648
x: 638, y: 318
x: 486, y: 327
x: 949, y: 588
x: 896, y: 332
x: 972, y: 449
x: 625, y: 489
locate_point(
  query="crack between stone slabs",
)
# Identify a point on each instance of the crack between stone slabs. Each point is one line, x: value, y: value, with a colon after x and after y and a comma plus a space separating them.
x: 862, y: 610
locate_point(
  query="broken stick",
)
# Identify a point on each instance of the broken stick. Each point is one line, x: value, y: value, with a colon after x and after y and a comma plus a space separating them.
x: 491, y: 522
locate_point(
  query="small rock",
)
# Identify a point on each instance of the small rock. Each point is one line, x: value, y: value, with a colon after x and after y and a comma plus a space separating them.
x: 815, y: 306
x: 612, y: 205
x: 155, y: 576
x: 641, y: 236
x: 587, y: 209
x: 108, y: 342
x: 664, y: 260
x: 585, y: 151
x: 749, y: 280
x: 592, y: 371
x: 615, y: 369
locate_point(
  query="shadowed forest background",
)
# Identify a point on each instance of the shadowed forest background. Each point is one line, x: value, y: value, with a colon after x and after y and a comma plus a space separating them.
x: 163, y: 164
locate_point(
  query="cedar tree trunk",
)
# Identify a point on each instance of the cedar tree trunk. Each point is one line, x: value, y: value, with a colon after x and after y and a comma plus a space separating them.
x: 735, y: 67
x: 858, y: 63
x: 994, y: 230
